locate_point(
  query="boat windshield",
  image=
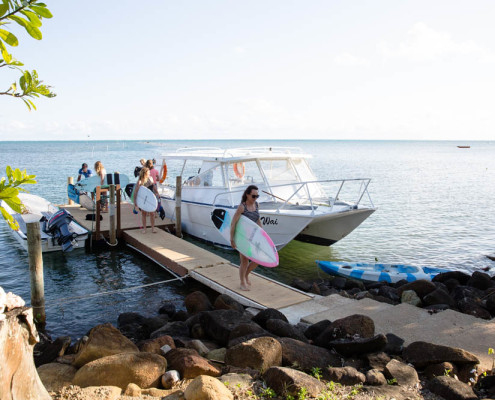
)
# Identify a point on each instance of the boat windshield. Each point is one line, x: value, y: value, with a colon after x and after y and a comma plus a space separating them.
x: 244, y: 173
x: 209, y: 175
x: 278, y: 171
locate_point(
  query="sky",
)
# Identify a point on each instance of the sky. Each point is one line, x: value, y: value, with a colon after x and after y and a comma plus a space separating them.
x: 277, y: 69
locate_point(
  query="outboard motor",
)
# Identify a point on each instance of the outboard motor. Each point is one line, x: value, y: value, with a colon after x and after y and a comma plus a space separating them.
x: 58, y: 227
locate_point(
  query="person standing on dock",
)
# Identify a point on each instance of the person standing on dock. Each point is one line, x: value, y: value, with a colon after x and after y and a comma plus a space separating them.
x: 147, y: 182
x: 142, y: 161
x: 84, y: 171
x: 154, y: 174
x: 250, y: 209
x: 102, y: 173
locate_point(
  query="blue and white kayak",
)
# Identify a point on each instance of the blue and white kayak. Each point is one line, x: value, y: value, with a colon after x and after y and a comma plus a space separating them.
x: 379, y: 272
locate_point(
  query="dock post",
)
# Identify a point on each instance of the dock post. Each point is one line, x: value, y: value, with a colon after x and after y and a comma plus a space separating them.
x: 118, y: 198
x: 70, y: 181
x: 98, y: 210
x: 178, y: 195
x: 112, y: 233
x: 36, y: 273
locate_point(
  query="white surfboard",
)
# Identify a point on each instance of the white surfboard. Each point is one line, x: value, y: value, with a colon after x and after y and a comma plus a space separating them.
x: 250, y: 239
x: 86, y: 201
x: 89, y: 184
x: 146, y: 200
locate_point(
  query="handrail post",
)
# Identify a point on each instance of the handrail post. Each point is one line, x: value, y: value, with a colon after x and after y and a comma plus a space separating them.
x: 98, y: 210
x: 178, y: 201
x: 36, y: 273
x: 112, y: 233
x: 70, y: 181
x: 117, y: 188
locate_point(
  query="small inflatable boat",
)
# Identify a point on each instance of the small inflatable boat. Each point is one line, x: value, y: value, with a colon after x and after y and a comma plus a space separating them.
x: 379, y: 272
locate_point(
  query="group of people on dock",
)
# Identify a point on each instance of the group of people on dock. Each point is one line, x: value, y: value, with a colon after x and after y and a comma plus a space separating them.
x: 147, y: 177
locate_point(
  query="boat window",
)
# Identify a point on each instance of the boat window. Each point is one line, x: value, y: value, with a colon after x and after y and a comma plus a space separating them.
x: 303, y: 170
x: 210, y: 176
x: 191, y: 170
x: 278, y: 171
x: 244, y: 173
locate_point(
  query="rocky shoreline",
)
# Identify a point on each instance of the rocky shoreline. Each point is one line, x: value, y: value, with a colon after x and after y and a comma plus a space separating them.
x: 218, y: 349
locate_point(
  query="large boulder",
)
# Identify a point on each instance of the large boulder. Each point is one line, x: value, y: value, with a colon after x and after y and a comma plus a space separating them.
x: 225, y: 302
x: 345, y: 375
x: 451, y: 389
x: 266, y: 314
x: 18, y: 335
x: 315, y: 330
x: 410, y: 297
x: 306, y: 356
x: 420, y: 287
x: 245, y: 329
x: 190, y: 364
x: 218, y: 324
x: 173, y: 329
x: 196, y: 302
x: 360, y: 325
x: 102, y: 341
x: 358, y: 346
x: 375, y: 377
x: 207, y: 388
x: 473, y: 307
x: 284, y: 329
x: 259, y: 353
x: 461, y: 277
x: 48, y: 351
x: 143, y: 369
x: 287, y: 381
x: 422, y: 354
x: 155, y: 345
x: 55, y: 375
x: 438, y: 296
x: 377, y: 361
x: 480, y: 280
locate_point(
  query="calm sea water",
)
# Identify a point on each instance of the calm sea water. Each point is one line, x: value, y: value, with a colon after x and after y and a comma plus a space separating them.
x: 434, y: 200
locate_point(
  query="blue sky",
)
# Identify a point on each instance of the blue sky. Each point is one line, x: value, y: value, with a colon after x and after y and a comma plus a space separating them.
x: 259, y: 70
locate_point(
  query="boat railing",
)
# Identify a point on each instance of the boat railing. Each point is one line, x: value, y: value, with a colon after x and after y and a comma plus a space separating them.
x: 262, y: 149
x: 305, y: 197
x: 197, y: 149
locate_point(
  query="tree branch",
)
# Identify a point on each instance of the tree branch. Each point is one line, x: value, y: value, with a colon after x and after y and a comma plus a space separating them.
x: 18, y: 9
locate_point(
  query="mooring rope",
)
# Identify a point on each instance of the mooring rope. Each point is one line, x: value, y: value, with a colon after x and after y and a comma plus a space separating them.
x: 74, y: 298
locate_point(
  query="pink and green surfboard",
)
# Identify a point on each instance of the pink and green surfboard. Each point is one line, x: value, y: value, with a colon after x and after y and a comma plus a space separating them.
x: 251, y: 240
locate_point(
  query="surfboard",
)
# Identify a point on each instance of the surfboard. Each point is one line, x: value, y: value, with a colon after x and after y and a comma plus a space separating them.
x: 73, y: 193
x: 146, y: 200
x: 251, y: 240
x: 86, y: 201
x: 89, y: 184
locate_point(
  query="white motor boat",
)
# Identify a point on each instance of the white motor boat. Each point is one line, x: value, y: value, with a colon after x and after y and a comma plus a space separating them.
x: 59, y: 231
x: 293, y: 204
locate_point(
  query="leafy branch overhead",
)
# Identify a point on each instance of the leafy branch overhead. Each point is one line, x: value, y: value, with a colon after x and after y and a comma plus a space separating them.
x: 9, y: 193
x: 28, y: 14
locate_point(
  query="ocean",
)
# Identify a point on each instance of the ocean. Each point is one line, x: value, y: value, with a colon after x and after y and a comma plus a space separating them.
x: 434, y: 207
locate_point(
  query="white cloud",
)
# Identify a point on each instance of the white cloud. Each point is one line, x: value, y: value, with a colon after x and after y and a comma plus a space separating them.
x: 426, y: 44
x: 348, y: 60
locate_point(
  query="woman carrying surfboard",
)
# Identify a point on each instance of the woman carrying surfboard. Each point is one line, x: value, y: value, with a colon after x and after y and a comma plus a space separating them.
x: 248, y: 208
x: 145, y: 181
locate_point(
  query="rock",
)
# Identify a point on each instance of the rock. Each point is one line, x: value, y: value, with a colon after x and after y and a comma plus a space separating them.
x: 169, y: 378
x: 190, y: 364
x: 461, y: 277
x: 403, y: 374
x: 395, y: 344
x: 225, y: 302
x: 167, y: 308
x: 363, y: 295
x: 347, y: 376
x: 152, y: 324
x: 348, y: 347
x: 180, y: 315
x: 490, y: 304
x: 421, y: 354
x: 451, y: 389
x: 388, y: 392
x: 315, y: 330
x: 175, y: 328
x: 356, y: 324
x: 55, y: 376
x: 163, y: 394
x: 421, y: 287
x: 49, y: 351
x: 233, y: 379
x: 377, y: 361
x: 155, y: 345
x: 217, y: 355
x: 438, y: 296
x: 480, y: 280
x: 383, y: 299
x: 259, y: 353
x: 338, y: 283
x: 199, y: 347
x: 306, y: 356
x: 451, y: 284
x: 103, y: 340
x: 375, y: 378
x: 12, y: 301
x: 354, y: 362
x: 266, y: 314
x: 286, y: 381
x: 132, y: 390
x: 410, y: 297
x: 245, y: 329
x: 218, y: 324
x: 315, y: 289
x: 196, y: 302
x: 134, y: 332
x: 486, y: 382
x: 130, y: 318
x: 207, y: 388
x: 461, y: 292
x: 284, y: 329
x: 143, y: 369
x: 440, y: 369
x: 473, y: 307
x: 468, y: 373
x: 390, y: 293
x: 301, y: 285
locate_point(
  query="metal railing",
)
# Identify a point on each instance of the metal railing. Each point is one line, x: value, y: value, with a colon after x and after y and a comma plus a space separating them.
x: 313, y: 201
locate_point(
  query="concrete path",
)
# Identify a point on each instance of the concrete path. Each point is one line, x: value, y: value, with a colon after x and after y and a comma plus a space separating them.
x: 449, y: 328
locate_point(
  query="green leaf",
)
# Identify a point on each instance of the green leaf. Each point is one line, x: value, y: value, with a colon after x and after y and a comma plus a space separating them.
x: 27, y: 104
x: 41, y: 10
x: 11, y: 221
x: 17, y: 174
x: 4, y: 7
x: 14, y: 205
x: 35, y: 21
x: 32, y: 30
x: 8, y: 37
x: 8, y: 170
x: 8, y: 193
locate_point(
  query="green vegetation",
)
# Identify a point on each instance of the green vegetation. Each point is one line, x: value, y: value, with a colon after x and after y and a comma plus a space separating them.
x: 27, y: 14
x: 9, y: 192
x: 392, y: 381
x: 316, y: 372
